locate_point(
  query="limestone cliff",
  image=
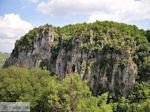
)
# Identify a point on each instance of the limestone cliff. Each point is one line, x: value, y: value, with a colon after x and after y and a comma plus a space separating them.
x: 102, y: 55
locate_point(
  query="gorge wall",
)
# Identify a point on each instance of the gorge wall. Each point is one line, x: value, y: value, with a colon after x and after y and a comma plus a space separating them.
x: 100, y: 52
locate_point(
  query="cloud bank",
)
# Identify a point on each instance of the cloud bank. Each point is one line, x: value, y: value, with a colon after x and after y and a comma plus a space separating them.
x: 116, y: 10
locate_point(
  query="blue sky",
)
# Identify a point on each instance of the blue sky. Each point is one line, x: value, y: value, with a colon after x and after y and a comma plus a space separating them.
x: 17, y: 17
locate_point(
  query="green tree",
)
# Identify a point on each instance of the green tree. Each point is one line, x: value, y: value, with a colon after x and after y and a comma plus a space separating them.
x: 47, y: 94
x: 19, y: 84
x: 73, y: 95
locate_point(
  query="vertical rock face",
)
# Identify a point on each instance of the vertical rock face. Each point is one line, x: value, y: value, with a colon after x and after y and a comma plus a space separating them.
x: 105, y: 70
x: 30, y: 58
x: 114, y: 72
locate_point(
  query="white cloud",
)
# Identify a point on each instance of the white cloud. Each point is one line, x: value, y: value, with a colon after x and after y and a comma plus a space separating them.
x: 34, y: 1
x: 12, y: 27
x: 116, y: 10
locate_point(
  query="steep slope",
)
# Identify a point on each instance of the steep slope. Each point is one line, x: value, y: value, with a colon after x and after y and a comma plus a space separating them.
x: 104, y: 53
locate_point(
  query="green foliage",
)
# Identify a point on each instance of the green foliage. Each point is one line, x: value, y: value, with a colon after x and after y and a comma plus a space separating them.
x: 141, y: 58
x: 148, y: 35
x: 141, y: 91
x: 144, y: 69
x: 125, y: 105
x: 3, y: 57
x: 138, y: 101
x: 18, y: 84
x: 47, y: 94
x: 73, y: 95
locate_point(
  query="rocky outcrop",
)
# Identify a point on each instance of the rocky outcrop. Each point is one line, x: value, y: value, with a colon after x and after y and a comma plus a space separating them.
x: 105, y: 70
